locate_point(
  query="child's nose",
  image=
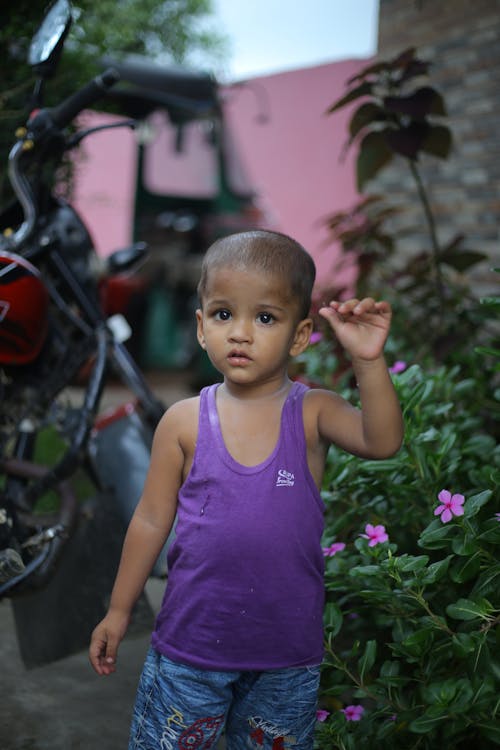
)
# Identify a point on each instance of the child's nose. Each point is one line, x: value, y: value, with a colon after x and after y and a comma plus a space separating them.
x: 241, y: 330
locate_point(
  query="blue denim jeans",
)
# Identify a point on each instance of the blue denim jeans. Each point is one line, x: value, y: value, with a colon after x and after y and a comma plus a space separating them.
x: 184, y: 708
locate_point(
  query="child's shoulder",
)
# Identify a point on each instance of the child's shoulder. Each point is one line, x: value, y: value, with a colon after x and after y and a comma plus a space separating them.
x: 181, y: 418
x: 316, y: 399
x: 321, y: 404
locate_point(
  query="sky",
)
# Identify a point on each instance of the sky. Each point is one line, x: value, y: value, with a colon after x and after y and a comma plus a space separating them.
x: 272, y: 36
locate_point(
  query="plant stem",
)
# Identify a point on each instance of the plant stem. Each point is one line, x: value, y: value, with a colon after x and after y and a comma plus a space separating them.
x: 437, y: 620
x: 432, y: 229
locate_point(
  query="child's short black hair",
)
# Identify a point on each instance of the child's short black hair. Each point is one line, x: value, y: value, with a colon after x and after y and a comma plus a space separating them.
x: 272, y: 252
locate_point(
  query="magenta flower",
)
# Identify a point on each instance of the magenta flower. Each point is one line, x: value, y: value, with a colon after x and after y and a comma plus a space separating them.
x: 451, y: 505
x: 353, y: 713
x: 315, y: 337
x: 333, y: 548
x: 376, y: 534
x: 398, y: 366
x: 497, y: 516
x: 322, y: 715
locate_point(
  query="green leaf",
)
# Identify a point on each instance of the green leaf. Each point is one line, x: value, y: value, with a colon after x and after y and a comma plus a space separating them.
x: 429, y: 720
x: 436, y: 571
x: 409, y: 563
x: 374, y: 153
x: 466, y: 609
x: 418, y: 642
x: 488, y: 582
x: 419, y: 394
x: 452, y: 692
x: 364, y: 570
x: 390, y: 669
x: 363, y: 116
x: 490, y: 301
x: 363, y: 90
x: 366, y: 662
x: 437, y: 535
x: 437, y: 142
x: 490, y: 730
x: 492, y: 534
x: 473, y: 504
x: 332, y: 618
x: 465, y: 569
x: 463, y: 644
x: 464, y: 545
x: 487, y: 350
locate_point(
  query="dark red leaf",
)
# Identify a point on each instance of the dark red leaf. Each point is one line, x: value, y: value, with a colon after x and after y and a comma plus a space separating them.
x: 403, y: 59
x: 369, y: 70
x: 414, y: 69
x: 423, y: 102
x: 407, y: 141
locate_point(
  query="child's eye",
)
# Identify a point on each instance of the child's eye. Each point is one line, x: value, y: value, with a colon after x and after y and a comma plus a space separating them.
x: 265, y: 318
x: 222, y: 315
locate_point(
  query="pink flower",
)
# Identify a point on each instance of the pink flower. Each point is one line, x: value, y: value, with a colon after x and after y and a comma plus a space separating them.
x: 398, y: 366
x: 353, y: 713
x: 333, y: 548
x: 322, y: 715
x: 497, y: 516
x: 315, y: 337
x: 451, y: 506
x: 376, y: 534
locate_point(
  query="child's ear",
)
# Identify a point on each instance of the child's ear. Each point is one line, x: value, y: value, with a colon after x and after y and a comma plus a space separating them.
x: 302, y: 336
x: 199, y: 329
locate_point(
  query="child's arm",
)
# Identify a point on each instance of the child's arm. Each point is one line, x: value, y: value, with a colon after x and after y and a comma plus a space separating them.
x: 375, y: 431
x: 146, y: 535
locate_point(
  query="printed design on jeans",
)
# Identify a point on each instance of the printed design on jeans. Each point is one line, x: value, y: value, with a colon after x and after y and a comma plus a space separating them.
x: 173, y: 725
x: 282, y: 739
x: 202, y: 734
x: 285, y: 478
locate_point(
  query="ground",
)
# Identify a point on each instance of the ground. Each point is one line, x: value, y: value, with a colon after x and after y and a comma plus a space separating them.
x: 65, y: 705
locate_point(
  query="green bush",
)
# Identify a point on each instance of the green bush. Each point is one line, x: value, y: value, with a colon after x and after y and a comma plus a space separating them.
x: 412, y: 623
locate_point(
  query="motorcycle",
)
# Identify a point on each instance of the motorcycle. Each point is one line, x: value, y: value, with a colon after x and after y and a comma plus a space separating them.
x: 59, y: 551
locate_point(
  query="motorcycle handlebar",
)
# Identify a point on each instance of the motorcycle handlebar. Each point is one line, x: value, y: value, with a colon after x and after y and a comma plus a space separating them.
x: 65, y: 112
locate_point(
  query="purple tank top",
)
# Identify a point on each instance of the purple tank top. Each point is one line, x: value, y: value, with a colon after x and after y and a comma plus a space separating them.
x: 245, y: 588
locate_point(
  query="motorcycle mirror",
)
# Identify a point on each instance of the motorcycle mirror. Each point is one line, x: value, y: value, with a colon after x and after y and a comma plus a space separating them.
x: 46, y: 44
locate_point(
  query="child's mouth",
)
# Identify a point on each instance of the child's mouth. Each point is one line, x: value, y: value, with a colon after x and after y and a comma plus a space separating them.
x: 237, y: 358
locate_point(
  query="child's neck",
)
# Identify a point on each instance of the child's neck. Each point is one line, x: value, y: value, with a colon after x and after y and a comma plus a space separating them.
x: 259, y: 392
x: 250, y: 419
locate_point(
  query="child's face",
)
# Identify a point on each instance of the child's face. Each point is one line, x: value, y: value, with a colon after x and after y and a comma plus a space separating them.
x: 248, y: 325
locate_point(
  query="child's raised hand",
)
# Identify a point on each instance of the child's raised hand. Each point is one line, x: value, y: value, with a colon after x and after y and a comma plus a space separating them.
x: 360, y: 326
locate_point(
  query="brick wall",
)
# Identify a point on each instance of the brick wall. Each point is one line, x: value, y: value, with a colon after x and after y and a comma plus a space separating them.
x: 462, y: 40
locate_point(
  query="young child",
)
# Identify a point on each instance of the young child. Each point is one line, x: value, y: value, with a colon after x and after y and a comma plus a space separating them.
x: 238, y: 641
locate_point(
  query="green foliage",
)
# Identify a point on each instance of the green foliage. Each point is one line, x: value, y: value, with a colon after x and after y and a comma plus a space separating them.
x: 171, y: 30
x: 412, y: 625
x: 491, y: 303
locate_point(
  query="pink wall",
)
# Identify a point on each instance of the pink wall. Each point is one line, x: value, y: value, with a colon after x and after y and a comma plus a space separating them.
x: 293, y: 160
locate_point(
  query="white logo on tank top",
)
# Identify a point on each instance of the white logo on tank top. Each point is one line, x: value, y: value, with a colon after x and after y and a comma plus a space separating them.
x: 285, y: 478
